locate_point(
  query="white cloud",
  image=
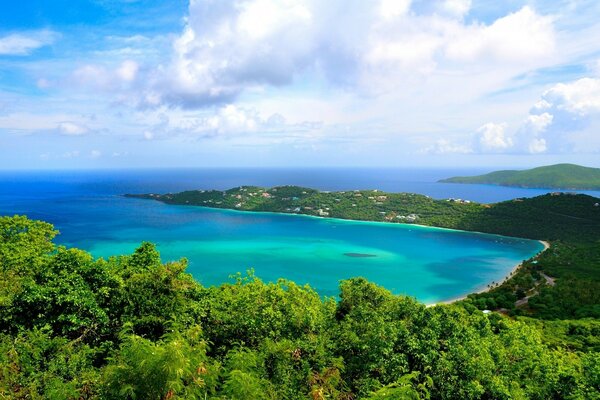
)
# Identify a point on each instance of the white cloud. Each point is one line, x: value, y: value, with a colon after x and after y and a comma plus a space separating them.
x: 375, y: 73
x: 537, y: 146
x: 539, y: 122
x: 521, y: 36
x: 128, y: 70
x: 581, y: 97
x: 456, y: 8
x: 389, y: 9
x: 492, y: 137
x: 69, y: 128
x: 566, y: 119
x: 231, y: 47
x: 21, y: 44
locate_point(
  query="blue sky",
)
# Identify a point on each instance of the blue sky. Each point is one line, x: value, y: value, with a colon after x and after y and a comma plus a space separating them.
x: 141, y: 83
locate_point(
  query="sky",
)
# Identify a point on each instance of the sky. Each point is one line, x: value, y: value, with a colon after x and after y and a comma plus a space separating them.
x: 298, y: 83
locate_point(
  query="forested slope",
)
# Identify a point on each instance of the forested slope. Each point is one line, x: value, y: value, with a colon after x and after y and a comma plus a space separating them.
x: 131, y: 327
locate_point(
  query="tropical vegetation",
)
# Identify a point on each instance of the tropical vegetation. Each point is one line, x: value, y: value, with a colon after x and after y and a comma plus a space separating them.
x: 132, y: 327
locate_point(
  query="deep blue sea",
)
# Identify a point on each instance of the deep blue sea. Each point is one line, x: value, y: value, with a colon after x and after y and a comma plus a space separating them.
x: 428, y: 263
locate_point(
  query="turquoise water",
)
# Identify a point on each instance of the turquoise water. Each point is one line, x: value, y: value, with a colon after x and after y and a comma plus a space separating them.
x: 428, y: 263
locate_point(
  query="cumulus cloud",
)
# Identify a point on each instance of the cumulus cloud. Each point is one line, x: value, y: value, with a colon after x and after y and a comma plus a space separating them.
x: 228, y: 47
x: 537, y: 146
x: 581, y: 97
x: 532, y: 132
x: 565, y: 119
x: 539, y: 122
x: 22, y: 44
x: 492, y: 137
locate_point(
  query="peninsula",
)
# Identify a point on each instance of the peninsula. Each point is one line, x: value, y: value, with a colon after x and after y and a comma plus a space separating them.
x: 559, y: 176
x: 548, y: 217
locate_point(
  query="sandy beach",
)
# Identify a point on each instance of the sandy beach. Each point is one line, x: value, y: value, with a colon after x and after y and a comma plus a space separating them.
x: 488, y: 288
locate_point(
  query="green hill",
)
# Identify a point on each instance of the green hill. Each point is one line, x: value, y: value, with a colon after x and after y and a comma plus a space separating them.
x: 132, y: 327
x: 559, y: 176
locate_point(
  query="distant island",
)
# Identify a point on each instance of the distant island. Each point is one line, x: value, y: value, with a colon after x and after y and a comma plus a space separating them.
x: 559, y: 176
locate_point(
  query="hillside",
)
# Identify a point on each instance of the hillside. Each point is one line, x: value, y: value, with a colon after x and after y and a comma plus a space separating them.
x: 559, y: 176
x: 131, y: 327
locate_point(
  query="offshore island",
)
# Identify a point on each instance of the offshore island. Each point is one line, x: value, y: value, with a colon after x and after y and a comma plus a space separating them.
x: 559, y: 176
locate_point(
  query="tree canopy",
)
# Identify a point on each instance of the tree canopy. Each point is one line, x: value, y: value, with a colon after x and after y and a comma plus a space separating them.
x: 132, y: 327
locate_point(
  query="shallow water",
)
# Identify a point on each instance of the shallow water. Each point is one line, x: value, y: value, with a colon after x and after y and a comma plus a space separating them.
x: 430, y: 264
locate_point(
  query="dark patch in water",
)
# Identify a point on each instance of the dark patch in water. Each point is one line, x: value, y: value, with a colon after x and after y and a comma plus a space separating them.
x: 359, y: 255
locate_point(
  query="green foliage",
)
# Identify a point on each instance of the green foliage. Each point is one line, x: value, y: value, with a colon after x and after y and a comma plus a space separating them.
x: 176, y: 366
x: 406, y: 388
x: 131, y: 327
x: 36, y: 365
x: 575, y: 267
x: 577, y: 335
x: 24, y: 243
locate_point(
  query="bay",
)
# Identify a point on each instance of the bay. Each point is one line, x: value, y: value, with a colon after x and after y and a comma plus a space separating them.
x: 428, y: 263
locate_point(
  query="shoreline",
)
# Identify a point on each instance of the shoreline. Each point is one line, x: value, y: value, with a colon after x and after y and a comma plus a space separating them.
x: 402, y: 225
x: 544, y: 243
